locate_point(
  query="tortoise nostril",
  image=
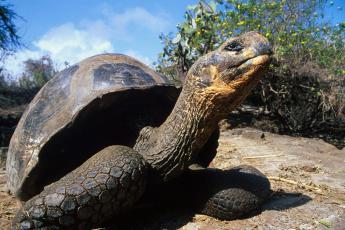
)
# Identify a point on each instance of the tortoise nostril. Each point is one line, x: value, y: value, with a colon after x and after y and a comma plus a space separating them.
x: 234, y: 46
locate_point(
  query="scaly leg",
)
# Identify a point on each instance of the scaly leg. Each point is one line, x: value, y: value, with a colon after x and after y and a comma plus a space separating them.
x: 108, y: 183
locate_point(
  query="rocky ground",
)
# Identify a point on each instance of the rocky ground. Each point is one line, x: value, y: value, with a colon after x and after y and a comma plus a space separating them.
x: 307, y: 175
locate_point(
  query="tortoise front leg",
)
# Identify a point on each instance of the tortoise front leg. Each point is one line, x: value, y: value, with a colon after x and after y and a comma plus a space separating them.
x: 108, y: 183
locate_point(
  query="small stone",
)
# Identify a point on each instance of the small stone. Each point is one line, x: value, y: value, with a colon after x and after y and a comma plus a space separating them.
x: 306, y: 227
x: 68, y: 204
x: 54, y: 199
x: 66, y: 220
x: 85, y: 212
x: 116, y: 172
x: 75, y: 190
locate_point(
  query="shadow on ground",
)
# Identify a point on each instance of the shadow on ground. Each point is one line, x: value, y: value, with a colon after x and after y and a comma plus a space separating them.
x: 155, y: 217
x: 285, y: 200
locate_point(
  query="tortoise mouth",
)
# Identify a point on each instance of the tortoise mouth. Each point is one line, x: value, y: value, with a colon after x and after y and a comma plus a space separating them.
x: 256, y: 61
x: 234, y: 72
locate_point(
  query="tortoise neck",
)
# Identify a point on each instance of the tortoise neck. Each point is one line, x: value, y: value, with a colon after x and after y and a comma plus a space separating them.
x: 172, y: 147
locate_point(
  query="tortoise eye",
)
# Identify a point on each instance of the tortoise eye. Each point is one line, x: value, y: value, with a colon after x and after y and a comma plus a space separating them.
x: 234, y: 46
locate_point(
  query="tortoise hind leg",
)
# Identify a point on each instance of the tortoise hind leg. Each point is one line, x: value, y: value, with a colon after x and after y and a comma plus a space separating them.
x: 230, y: 194
x: 109, y: 182
x: 223, y: 194
x: 235, y: 192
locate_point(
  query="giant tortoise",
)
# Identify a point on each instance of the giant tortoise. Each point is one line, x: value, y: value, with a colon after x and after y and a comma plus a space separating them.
x: 105, y: 131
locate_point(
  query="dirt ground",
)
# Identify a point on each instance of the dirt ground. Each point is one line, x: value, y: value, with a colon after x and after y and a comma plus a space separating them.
x: 307, y: 175
x: 8, y: 204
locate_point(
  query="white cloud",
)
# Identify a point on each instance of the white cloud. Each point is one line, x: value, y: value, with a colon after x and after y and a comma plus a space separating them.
x: 73, y: 42
x: 137, y: 16
x: 14, y: 64
x: 69, y: 43
x: 63, y: 43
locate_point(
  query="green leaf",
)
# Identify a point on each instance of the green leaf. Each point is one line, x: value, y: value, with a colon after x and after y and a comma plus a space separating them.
x: 325, y: 223
x: 206, y: 7
x: 188, y: 29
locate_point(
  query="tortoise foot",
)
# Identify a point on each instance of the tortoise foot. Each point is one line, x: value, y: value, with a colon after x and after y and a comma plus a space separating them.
x: 234, y: 193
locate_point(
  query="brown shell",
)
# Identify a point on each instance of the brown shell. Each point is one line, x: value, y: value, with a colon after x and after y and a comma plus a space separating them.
x: 61, y: 104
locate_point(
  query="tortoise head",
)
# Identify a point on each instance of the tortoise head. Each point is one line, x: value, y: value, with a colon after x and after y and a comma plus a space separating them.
x: 230, y: 72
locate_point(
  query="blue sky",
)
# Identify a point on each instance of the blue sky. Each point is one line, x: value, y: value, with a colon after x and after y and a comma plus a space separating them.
x: 70, y: 30
x: 73, y: 30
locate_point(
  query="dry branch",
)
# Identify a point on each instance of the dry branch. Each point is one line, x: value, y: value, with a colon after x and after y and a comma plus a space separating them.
x: 315, y: 189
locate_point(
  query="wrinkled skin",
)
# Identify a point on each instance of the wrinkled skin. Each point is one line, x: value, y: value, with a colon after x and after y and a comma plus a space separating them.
x: 108, y: 183
x: 215, y: 85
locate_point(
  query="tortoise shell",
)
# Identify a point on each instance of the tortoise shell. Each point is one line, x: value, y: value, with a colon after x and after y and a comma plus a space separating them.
x: 101, y: 101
